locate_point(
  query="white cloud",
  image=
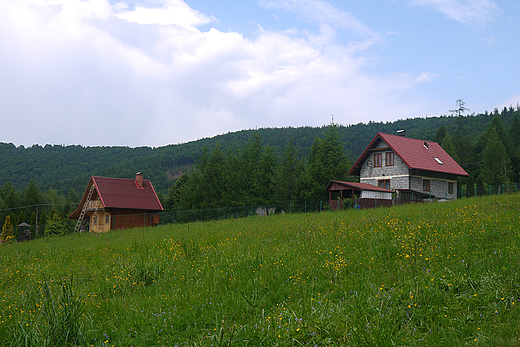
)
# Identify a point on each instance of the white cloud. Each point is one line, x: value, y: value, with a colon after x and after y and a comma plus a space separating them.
x: 465, y: 11
x: 319, y: 11
x: 90, y: 73
x: 511, y: 102
x: 172, y: 12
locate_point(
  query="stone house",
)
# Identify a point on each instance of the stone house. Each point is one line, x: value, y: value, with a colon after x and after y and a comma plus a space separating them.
x: 415, y: 170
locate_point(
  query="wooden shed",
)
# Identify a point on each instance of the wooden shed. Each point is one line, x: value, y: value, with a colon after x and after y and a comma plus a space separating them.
x: 118, y: 203
x: 363, y: 195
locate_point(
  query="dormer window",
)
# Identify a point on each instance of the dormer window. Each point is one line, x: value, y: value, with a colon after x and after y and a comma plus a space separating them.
x: 438, y: 161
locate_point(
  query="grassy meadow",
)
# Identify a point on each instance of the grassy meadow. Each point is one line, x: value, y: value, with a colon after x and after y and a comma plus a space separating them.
x: 439, y: 274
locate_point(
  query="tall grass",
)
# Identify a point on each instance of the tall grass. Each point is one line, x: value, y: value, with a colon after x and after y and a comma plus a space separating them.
x: 439, y: 274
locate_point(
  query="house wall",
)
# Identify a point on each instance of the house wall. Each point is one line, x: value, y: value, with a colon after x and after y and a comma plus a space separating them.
x: 368, y: 194
x: 99, y: 223
x: 129, y: 220
x: 398, y: 174
x: 438, y: 187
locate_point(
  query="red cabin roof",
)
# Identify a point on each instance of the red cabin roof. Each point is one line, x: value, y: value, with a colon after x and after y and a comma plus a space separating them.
x: 417, y: 154
x: 122, y: 193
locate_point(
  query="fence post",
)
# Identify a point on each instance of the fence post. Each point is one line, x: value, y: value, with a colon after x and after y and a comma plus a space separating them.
x: 321, y: 206
x: 290, y: 209
x: 305, y: 206
x: 173, y: 217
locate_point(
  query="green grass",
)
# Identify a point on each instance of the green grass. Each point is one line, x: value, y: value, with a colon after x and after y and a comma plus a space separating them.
x: 440, y: 274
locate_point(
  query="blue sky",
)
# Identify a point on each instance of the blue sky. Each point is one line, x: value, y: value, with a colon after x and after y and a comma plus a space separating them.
x: 158, y: 72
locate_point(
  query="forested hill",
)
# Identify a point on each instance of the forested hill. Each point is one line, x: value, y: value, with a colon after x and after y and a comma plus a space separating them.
x: 64, y: 167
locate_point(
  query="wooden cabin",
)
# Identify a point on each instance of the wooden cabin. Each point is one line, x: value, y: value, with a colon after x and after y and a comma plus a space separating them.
x: 118, y: 203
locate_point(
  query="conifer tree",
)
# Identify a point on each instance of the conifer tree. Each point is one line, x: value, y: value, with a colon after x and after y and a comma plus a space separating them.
x: 288, y: 177
x: 448, y: 146
x: 55, y: 225
x: 7, y: 229
x: 514, y: 134
x: 42, y: 224
x: 327, y: 161
x: 495, y: 162
x: 19, y: 221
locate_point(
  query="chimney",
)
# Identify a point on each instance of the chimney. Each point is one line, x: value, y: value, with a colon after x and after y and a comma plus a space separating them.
x: 139, y: 180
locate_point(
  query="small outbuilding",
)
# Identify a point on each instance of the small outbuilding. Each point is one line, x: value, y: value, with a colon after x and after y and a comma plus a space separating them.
x: 24, y: 232
x: 118, y: 203
x: 363, y: 195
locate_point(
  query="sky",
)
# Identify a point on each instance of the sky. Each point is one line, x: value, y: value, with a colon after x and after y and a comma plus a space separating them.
x: 158, y: 72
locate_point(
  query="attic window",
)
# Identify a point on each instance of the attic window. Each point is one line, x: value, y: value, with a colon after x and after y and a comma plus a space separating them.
x: 438, y: 161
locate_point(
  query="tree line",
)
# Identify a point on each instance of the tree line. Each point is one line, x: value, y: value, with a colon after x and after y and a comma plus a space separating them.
x: 492, y: 157
x: 255, y: 175
x: 46, y: 213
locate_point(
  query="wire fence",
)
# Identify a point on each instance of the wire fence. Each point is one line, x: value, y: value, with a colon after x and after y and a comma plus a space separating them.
x: 46, y: 228
x: 468, y: 192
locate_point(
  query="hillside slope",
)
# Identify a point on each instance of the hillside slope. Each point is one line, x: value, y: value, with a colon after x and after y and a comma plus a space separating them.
x: 64, y: 167
x: 417, y: 275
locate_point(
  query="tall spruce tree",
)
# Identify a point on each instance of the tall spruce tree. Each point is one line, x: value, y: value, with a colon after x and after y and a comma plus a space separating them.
x: 448, y: 146
x: 287, y: 183
x: 495, y: 162
x: 514, y: 135
x: 327, y: 161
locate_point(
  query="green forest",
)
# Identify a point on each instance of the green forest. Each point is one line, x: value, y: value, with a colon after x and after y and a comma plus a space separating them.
x: 249, y: 167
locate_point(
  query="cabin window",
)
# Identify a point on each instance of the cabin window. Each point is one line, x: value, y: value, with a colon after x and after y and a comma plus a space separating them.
x: 450, y: 187
x: 378, y: 159
x: 384, y: 184
x: 426, y: 185
x: 107, y: 219
x: 389, y: 158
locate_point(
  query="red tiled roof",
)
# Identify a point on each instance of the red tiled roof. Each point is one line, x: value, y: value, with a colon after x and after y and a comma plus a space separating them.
x: 360, y: 186
x: 122, y: 193
x: 415, y: 154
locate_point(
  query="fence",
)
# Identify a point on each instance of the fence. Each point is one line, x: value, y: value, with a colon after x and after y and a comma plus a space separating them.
x: 171, y: 217
x: 468, y: 192
x: 168, y: 217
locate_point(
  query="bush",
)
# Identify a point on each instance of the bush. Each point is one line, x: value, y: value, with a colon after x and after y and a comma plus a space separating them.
x: 348, y: 204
